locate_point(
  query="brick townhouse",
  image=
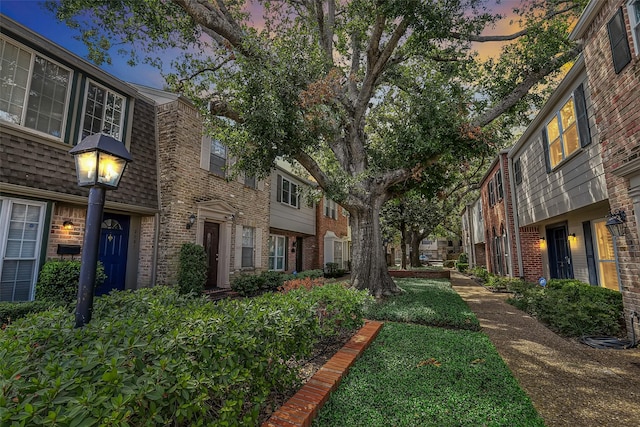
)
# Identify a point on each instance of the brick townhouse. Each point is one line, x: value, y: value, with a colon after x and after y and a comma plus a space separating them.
x: 201, y: 202
x: 50, y: 99
x: 610, y: 31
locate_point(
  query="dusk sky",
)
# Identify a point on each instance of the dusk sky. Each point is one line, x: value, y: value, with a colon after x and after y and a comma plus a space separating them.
x: 32, y: 15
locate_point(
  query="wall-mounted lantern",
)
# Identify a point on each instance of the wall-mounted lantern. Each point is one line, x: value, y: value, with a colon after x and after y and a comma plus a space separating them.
x: 100, y: 162
x: 615, y: 223
x: 191, y: 221
x: 67, y: 225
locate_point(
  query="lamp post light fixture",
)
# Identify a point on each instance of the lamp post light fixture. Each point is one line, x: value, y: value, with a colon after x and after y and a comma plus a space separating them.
x: 615, y: 223
x: 192, y: 220
x: 100, y: 162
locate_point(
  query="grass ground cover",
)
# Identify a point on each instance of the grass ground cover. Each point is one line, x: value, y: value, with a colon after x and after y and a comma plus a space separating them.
x: 427, y: 302
x: 419, y: 375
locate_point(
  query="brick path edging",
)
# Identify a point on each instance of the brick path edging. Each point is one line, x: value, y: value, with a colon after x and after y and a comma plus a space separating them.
x: 303, y: 407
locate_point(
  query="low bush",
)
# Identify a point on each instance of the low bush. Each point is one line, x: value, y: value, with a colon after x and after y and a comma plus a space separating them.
x: 334, y: 270
x: 502, y: 283
x: 313, y: 274
x: 155, y: 357
x: 192, y: 271
x: 305, y: 283
x: 250, y: 285
x: 462, y: 266
x: 480, y: 273
x: 450, y: 263
x: 12, y: 311
x: 58, y: 281
x: 573, y: 308
x: 463, y: 258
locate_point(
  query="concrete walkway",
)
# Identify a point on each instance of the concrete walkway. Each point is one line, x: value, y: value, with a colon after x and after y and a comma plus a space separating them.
x: 570, y: 384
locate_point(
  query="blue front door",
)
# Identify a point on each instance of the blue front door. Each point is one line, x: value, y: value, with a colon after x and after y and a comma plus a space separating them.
x: 114, y: 240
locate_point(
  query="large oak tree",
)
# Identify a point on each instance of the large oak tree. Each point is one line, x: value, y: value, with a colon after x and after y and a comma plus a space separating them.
x: 369, y: 96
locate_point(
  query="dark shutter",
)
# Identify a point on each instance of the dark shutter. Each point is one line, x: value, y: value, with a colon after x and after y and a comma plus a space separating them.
x: 618, y: 40
x: 517, y: 171
x: 279, y: 189
x: 591, y: 259
x: 545, y: 149
x: 583, y: 119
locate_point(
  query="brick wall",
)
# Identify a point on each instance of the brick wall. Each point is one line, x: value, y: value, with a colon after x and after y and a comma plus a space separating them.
x: 145, y: 259
x: 531, y: 254
x: 184, y: 184
x: 59, y: 236
x: 323, y: 224
x: 616, y: 100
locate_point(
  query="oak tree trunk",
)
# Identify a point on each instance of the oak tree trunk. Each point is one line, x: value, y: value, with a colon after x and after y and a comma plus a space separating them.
x: 368, y: 262
x: 415, y: 249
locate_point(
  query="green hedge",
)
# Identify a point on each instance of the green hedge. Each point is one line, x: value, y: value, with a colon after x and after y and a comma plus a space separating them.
x: 155, y: 357
x: 58, y: 280
x: 573, y: 308
x: 192, y: 271
x: 12, y: 311
x: 257, y: 284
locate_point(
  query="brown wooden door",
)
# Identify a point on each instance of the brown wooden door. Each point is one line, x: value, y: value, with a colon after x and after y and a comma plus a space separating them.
x: 211, y: 240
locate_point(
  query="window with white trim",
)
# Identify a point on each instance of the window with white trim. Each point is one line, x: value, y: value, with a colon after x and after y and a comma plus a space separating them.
x: 562, y: 133
x: 330, y: 208
x: 517, y: 171
x: 21, y: 223
x: 248, y: 240
x: 288, y: 192
x: 607, y: 269
x: 103, y: 112
x: 633, y: 8
x: 217, y: 158
x: 277, y: 253
x: 34, y: 90
x: 499, y: 189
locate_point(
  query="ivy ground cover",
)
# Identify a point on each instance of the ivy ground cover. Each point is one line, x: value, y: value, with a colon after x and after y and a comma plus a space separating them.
x: 420, y: 375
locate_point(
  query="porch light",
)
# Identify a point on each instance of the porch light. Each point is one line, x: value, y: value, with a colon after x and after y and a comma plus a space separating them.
x: 67, y: 225
x: 543, y: 243
x: 615, y: 223
x: 192, y: 220
x: 100, y: 163
x: 572, y: 238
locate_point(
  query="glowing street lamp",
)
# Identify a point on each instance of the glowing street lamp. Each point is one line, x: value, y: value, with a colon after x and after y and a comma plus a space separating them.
x: 100, y: 163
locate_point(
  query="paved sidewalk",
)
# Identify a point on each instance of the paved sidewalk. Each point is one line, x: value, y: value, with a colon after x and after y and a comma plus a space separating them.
x: 570, y: 384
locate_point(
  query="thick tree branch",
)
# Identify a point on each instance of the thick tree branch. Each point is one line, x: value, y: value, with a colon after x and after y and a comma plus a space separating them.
x: 219, y: 107
x: 313, y: 168
x: 523, y: 88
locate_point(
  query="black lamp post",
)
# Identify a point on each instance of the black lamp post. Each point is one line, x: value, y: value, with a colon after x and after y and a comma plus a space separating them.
x: 100, y: 163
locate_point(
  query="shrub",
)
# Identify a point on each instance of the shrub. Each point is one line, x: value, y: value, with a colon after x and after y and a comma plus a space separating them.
x: 12, y: 311
x: 573, y: 308
x: 155, y: 357
x: 305, y: 283
x: 480, y: 273
x: 334, y: 270
x: 462, y: 266
x: 463, y: 258
x: 313, y: 274
x: 256, y: 284
x: 450, y: 263
x: 192, y: 271
x: 58, y: 281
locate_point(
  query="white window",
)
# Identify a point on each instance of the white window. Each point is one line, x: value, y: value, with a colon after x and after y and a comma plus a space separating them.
x: 103, y: 112
x: 337, y: 253
x: 277, y: 253
x: 247, y: 246
x: 288, y: 192
x: 21, y: 230
x: 34, y: 90
x: 606, y: 258
x: 330, y: 208
x: 634, y: 18
x: 217, y: 157
x: 562, y: 132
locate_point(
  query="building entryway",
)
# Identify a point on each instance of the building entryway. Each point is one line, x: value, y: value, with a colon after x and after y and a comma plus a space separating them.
x: 114, y: 243
x: 559, y: 253
x: 211, y: 243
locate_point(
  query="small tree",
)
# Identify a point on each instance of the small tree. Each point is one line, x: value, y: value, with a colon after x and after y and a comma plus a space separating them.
x: 192, y: 272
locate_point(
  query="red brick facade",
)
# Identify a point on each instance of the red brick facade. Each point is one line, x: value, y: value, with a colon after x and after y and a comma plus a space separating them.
x: 616, y: 98
x: 338, y: 226
x: 498, y: 220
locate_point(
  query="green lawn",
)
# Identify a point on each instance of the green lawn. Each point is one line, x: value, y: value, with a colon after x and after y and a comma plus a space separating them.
x: 419, y: 375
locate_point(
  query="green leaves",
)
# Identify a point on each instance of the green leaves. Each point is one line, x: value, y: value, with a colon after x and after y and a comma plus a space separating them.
x: 155, y: 357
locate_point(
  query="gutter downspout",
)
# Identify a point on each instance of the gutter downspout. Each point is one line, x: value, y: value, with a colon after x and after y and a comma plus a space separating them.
x: 516, y: 223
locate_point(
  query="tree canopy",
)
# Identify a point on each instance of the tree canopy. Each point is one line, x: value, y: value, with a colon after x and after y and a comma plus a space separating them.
x: 371, y: 97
